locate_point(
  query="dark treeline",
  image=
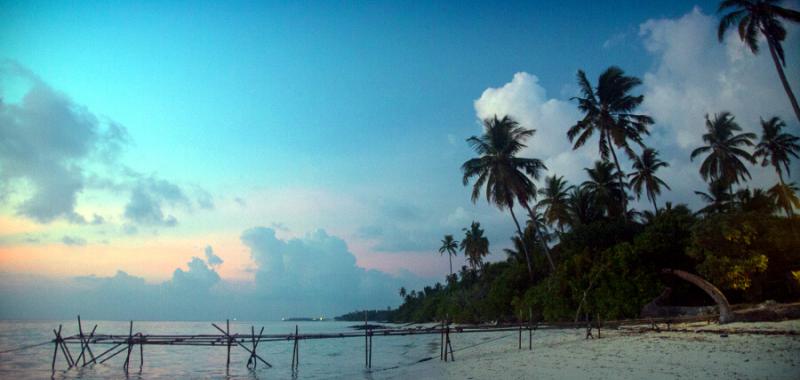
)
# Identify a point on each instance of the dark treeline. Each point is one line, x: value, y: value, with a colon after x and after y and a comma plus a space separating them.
x: 372, y: 315
x: 583, y: 250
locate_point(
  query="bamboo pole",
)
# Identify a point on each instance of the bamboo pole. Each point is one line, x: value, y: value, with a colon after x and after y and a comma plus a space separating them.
x: 232, y: 340
x: 57, y: 342
x: 130, y: 347
x: 366, y: 342
x: 441, y: 341
x: 228, y: 333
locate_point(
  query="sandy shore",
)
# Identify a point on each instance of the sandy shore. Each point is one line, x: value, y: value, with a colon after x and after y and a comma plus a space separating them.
x: 620, y: 354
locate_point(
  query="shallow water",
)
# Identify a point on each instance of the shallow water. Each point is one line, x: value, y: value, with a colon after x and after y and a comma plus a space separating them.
x: 319, y: 359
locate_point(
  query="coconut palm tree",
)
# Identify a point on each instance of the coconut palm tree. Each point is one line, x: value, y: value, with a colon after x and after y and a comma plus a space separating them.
x: 644, y: 176
x: 725, y: 154
x: 784, y: 195
x: 776, y: 147
x: 583, y: 207
x: 608, y: 110
x: 450, y: 246
x: 718, y: 198
x: 756, y: 200
x: 754, y: 17
x: 504, y: 175
x: 475, y: 245
x: 555, y: 201
x: 403, y: 292
x: 607, y: 192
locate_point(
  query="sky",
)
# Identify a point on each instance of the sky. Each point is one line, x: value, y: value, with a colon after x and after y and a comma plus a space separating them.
x: 265, y: 159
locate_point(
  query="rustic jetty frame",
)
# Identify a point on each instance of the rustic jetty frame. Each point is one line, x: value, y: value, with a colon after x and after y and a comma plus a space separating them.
x: 250, y: 342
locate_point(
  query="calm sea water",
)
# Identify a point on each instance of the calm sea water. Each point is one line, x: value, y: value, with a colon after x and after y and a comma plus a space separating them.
x: 319, y: 359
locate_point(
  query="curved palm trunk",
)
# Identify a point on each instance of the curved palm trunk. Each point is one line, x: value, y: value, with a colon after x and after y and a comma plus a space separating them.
x: 524, y: 247
x: 782, y: 75
x: 725, y: 314
x: 541, y: 237
x: 620, y: 174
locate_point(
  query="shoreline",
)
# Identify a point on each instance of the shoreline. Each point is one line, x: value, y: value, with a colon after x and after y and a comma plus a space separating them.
x: 735, y: 350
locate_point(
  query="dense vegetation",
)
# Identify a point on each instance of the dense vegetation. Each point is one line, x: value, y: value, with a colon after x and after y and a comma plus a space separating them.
x: 583, y: 250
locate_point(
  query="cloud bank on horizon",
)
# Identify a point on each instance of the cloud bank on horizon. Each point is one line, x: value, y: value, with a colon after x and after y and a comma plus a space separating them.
x: 64, y: 182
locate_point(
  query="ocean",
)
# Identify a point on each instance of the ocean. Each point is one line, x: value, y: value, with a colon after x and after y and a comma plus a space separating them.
x: 319, y: 359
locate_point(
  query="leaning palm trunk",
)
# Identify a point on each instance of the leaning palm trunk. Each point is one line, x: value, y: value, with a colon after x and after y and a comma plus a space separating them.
x: 522, y: 239
x: 782, y: 75
x: 620, y: 174
x: 540, y: 236
x: 725, y: 314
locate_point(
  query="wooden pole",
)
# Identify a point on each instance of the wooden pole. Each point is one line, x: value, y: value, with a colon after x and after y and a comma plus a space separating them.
x: 130, y: 347
x: 228, y: 333
x: 530, y: 329
x: 55, y: 347
x: 366, y: 342
x: 85, y: 346
x: 296, y: 347
x: 141, y: 351
x: 441, y: 341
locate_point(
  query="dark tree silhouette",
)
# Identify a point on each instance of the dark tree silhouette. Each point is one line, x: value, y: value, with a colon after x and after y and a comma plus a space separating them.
x: 504, y: 175
x: 725, y: 154
x: 644, y: 176
x: 450, y: 246
x: 608, y: 110
x: 754, y: 17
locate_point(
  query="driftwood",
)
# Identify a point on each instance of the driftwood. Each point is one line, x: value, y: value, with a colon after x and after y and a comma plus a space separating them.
x: 725, y: 314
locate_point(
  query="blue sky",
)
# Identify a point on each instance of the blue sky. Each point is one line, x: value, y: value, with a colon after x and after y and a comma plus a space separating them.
x: 169, y: 127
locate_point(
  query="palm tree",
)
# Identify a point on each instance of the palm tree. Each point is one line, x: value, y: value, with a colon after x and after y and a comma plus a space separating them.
x: 645, y: 175
x: 776, y: 147
x: 403, y: 292
x: 504, y: 175
x: 784, y: 195
x: 583, y: 207
x: 555, y: 201
x: 606, y: 191
x: 717, y: 198
x: 756, y: 200
x: 608, y: 110
x: 475, y: 245
x: 724, y: 161
x: 450, y: 246
x: 761, y: 16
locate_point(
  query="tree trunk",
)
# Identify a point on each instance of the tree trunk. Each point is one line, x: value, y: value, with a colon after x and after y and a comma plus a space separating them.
x: 524, y: 247
x: 620, y: 174
x: 541, y: 237
x: 725, y: 314
x: 782, y: 75
x: 655, y: 206
x: 450, y: 256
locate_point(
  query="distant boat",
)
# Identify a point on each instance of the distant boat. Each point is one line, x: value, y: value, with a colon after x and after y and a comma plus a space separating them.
x: 302, y: 319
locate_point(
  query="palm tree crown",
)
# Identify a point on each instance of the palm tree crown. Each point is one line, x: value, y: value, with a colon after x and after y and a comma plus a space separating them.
x: 555, y: 201
x: 607, y: 192
x: 475, y: 245
x: 776, y: 147
x: 724, y: 148
x: 645, y: 168
x: 450, y: 246
x: 608, y: 110
x: 754, y: 17
x: 504, y: 175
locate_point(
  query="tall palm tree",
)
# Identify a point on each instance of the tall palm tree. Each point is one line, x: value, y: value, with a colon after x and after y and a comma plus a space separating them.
x: 785, y: 196
x: 776, y: 147
x: 607, y: 192
x: 763, y: 17
x: 475, y: 245
x: 718, y: 198
x: 403, y: 292
x: 756, y: 200
x: 645, y: 168
x: 608, y: 110
x: 555, y: 201
x: 725, y: 154
x: 504, y: 175
x: 583, y: 207
x: 450, y: 246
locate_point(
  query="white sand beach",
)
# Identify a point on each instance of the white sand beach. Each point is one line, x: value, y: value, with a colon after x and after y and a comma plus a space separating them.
x: 626, y: 353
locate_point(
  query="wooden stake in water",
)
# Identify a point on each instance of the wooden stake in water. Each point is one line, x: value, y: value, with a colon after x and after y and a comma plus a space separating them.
x: 228, y: 333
